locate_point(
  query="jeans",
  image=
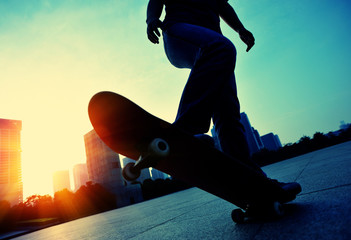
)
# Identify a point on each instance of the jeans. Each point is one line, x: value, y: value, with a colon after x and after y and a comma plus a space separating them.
x: 210, y: 92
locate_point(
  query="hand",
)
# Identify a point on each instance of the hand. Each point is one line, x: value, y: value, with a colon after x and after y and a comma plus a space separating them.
x: 247, y: 37
x: 153, y: 33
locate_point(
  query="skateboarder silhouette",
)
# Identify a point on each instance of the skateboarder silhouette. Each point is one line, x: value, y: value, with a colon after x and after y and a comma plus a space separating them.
x: 193, y: 39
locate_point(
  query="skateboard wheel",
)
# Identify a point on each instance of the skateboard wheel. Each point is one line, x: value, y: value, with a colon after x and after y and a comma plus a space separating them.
x: 238, y: 216
x: 128, y: 173
x: 159, y: 147
x: 278, y: 209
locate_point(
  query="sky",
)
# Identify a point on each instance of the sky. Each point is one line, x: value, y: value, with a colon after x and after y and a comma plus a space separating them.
x: 55, y: 55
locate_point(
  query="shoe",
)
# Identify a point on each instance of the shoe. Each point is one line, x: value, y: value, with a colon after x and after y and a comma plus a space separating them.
x: 292, y: 188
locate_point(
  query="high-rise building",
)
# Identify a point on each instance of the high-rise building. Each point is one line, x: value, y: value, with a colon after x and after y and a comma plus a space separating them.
x: 103, y: 164
x: 61, y: 181
x: 80, y: 174
x: 104, y: 168
x: 254, y: 144
x: 156, y: 174
x: 271, y: 142
x: 145, y: 173
x: 258, y: 138
x: 11, y: 186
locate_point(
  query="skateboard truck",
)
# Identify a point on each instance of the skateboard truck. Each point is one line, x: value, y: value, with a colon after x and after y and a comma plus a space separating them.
x: 157, y: 148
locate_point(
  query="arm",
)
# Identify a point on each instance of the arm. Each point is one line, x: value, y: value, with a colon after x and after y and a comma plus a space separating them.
x: 154, y: 11
x: 229, y: 15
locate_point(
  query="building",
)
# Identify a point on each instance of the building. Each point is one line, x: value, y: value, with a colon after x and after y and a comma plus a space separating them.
x: 258, y: 138
x: 156, y: 174
x: 145, y: 173
x: 61, y: 181
x: 103, y: 164
x: 255, y: 141
x: 104, y: 167
x: 80, y: 174
x: 252, y: 136
x: 271, y: 142
x: 11, y: 186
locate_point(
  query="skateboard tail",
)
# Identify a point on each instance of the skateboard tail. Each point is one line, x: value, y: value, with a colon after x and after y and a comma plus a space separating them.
x: 119, y: 124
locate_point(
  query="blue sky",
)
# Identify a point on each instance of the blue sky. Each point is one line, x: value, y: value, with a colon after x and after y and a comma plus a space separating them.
x: 54, y: 55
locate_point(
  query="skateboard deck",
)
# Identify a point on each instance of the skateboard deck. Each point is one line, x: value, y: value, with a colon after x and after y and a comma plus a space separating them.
x: 130, y: 130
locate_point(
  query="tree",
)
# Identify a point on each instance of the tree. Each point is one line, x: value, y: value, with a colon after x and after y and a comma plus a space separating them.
x: 93, y: 198
x: 65, y: 206
x: 305, y: 140
x: 5, y: 217
x: 319, y: 141
x: 37, y: 206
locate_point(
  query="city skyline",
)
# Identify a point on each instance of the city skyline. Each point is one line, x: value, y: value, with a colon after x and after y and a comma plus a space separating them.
x: 55, y: 55
x: 62, y: 178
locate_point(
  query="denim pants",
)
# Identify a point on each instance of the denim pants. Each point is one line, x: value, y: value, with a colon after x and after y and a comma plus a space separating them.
x: 210, y: 92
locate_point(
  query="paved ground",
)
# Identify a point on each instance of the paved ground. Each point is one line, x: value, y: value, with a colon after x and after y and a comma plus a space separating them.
x: 321, y: 211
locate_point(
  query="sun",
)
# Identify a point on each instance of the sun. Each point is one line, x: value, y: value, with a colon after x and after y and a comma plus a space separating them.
x: 48, y: 147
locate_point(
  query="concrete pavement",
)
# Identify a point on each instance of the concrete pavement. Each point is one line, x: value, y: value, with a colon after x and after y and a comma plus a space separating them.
x: 321, y: 211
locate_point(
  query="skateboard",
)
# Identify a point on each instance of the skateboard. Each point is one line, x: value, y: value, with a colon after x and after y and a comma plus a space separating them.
x: 133, y: 132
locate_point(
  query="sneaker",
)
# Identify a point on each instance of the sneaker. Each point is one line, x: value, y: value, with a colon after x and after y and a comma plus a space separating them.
x: 292, y: 188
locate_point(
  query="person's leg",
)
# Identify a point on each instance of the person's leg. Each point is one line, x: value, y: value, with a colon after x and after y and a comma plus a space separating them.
x: 228, y: 128
x: 211, y: 57
x: 210, y: 91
